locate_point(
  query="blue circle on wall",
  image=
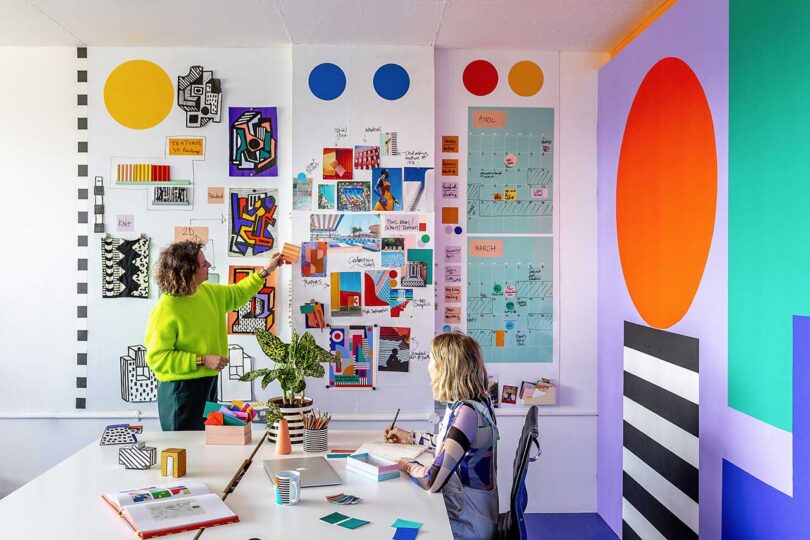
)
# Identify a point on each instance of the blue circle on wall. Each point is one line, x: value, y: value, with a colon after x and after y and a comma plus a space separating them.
x: 391, y: 81
x: 446, y: 328
x: 327, y: 81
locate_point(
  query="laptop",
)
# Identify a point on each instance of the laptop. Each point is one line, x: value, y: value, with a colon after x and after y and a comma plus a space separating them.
x: 315, y: 471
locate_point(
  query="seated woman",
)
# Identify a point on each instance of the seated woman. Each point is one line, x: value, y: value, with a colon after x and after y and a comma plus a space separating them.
x: 465, y: 466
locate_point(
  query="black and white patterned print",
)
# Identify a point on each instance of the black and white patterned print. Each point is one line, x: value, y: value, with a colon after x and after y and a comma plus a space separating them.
x: 125, y: 267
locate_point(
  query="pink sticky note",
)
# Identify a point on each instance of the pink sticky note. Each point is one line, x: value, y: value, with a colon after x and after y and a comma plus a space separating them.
x: 486, y: 248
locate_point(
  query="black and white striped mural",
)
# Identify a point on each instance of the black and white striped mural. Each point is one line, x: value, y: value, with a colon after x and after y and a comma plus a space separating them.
x: 661, y: 444
x: 82, y: 229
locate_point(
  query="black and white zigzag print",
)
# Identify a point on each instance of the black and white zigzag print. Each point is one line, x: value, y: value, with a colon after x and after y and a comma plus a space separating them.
x: 661, y: 445
x: 83, y: 211
x: 125, y: 267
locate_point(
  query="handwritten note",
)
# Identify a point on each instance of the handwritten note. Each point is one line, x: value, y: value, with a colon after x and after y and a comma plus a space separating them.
x: 450, y: 144
x: 539, y: 193
x: 452, y: 315
x: 452, y: 254
x: 186, y: 146
x: 414, y: 157
x: 216, y: 195
x: 125, y: 223
x: 449, y: 167
x: 488, y: 119
x: 193, y: 234
x: 486, y: 248
x: 452, y: 294
x: 452, y: 274
x: 449, y: 190
x: 402, y: 223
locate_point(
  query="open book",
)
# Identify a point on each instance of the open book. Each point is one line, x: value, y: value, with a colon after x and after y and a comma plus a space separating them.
x: 170, y: 508
x: 391, y: 451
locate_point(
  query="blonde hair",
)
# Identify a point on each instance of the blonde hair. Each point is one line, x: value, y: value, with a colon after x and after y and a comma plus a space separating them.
x: 459, y: 368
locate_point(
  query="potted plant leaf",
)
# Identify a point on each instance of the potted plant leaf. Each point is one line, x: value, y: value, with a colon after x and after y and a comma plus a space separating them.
x: 293, y: 363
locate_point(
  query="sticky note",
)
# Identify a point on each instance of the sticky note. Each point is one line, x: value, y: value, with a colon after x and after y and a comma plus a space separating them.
x: 500, y: 338
x: 216, y: 195
x: 450, y: 215
x: 486, y: 248
x: 334, y: 517
x: 193, y: 234
x: 407, y: 524
x: 352, y: 523
x: 449, y: 167
x: 450, y: 144
x: 405, y: 533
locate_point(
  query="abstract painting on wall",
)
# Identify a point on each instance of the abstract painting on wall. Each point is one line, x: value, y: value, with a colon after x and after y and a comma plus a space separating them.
x: 314, y: 315
x: 260, y: 311
x: 200, y: 95
x: 345, y: 294
x: 252, y: 226
x: 377, y: 288
x: 353, y: 363
x: 661, y: 445
x: 313, y: 259
x: 337, y: 164
x: 253, y: 141
x: 125, y: 267
x: 395, y: 349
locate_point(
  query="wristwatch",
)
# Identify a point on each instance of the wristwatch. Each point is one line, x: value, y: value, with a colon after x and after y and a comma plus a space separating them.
x: 263, y: 273
x: 200, y: 361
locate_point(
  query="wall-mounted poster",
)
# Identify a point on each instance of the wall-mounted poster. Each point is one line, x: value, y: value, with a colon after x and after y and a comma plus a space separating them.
x: 253, y: 141
x: 252, y: 227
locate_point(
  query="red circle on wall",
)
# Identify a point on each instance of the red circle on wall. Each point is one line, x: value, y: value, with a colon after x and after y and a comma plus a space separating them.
x: 480, y: 77
x: 392, y: 274
x: 666, y: 192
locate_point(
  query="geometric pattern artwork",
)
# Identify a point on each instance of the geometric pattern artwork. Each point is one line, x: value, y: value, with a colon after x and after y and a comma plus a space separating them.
x: 230, y: 387
x: 252, y: 226
x: 260, y: 311
x: 254, y: 141
x: 395, y: 349
x: 751, y: 508
x: 313, y: 262
x: 352, y: 365
x: 138, y: 456
x: 138, y: 382
x: 120, y: 434
x: 660, y: 434
x: 200, y: 95
x: 125, y: 267
x: 378, y: 287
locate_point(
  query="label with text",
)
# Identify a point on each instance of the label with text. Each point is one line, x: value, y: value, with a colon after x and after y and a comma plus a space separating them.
x: 193, y: 234
x: 186, y: 146
x: 449, y: 190
x: 449, y: 167
x: 489, y: 119
x: 486, y: 248
x: 216, y: 195
x: 125, y: 223
x: 450, y: 144
x: 401, y: 223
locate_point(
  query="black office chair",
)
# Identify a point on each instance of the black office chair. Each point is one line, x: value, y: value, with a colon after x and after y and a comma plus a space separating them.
x: 510, y: 524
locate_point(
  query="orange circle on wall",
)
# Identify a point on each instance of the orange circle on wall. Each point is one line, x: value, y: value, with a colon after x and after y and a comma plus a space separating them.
x: 666, y: 192
x: 526, y: 78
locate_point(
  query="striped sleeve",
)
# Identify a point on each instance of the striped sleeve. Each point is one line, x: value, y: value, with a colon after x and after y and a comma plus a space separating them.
x: 460, y: 438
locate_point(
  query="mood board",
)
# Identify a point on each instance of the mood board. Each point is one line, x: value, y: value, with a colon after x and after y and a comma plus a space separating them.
x: 327, y: 148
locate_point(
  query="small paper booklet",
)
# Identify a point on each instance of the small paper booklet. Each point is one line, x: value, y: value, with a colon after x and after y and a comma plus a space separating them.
x: 391, y: 451
x: 170, y: 508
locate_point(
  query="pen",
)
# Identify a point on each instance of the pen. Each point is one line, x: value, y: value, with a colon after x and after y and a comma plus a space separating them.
x: 395, y: 421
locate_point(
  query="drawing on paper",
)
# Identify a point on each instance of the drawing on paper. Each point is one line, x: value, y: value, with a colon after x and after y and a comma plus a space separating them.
x: 345, y: 294
x: 230, y: 387
x: 395, y: 349
x: 337, y: 164
x: 200, y: 95
x: 353, y: 197
x: 253, y: 141
x: 313, y: 259
x: 351, y: 233
x: 510, y: 298
x: 366, y: 157
x: 252, y: 226
x: 302, y: 192
x: 388, y: 144
x: 326, y: 196
x: 387, y: 193
x: 510, y: 195
x: 174, y: 510
x: 417, y: 189
x: 398, y: 300
x: 353, y: 363
x: 260, y: 311
x: 125, y: 267
x: 377, y: 287
x: 138, y: 382
x: 171, y: 196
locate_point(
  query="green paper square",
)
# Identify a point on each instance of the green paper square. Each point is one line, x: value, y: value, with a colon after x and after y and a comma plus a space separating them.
x: 334, y: 517
x: 211, y: 406
x: 352, y: 523
x: 406, y: 524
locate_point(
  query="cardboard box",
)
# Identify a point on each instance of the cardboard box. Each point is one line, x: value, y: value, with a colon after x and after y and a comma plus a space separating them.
x: 228, y: 434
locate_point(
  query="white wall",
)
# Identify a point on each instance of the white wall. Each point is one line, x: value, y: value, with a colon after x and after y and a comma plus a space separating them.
x: 563, y: 480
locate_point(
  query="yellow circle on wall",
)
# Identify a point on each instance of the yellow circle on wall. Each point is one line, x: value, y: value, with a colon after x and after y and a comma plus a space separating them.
x: 138, y: 94
x: 526, y: 78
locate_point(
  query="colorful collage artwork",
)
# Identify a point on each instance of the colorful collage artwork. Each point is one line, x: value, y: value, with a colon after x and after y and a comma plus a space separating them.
x: 345, y: 294
x: 260, y: 311
x: 326, y: 197
x: 353, y: 196
x: 378, y: 287
x: 395, y: 349
x: 353, y: 362
x: 337, y: 164
x: 313, y: 259
x: 252, y: 223
x: 253, y: 141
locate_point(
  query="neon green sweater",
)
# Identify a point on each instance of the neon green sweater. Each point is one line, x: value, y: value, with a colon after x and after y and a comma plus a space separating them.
x: 180, y: 328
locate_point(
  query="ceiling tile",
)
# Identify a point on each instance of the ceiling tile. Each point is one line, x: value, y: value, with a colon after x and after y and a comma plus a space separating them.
x: 22, y: 24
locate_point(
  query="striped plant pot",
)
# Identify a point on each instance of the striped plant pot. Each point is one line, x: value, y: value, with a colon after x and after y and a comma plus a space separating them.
x: 293, y: 413
x: 316, y: 440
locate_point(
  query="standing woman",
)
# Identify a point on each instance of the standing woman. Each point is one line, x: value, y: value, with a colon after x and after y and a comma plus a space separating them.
x: 186, y: 337
x: 465, y: 467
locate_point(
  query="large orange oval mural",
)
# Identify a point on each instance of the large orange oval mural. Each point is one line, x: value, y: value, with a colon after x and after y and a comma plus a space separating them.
x: 666, y: 192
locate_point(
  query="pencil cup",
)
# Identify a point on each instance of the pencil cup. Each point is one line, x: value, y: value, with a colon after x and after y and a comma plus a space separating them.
x: 316, y: 440
x: 288, y: 487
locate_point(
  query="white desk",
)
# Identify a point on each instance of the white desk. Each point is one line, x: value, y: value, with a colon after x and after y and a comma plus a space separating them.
x: 65, y: 502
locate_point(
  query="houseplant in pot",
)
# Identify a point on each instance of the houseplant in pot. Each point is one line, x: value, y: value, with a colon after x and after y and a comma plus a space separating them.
x: 294, y: 362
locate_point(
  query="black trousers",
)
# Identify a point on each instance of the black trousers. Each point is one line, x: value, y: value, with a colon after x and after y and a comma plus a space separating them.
x: 181, y: 403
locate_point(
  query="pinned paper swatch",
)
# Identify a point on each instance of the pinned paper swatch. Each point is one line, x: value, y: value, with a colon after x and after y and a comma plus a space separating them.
x: 450, y: 215
x: 449, y: 167
x: 216, y: 195
x: 291, y: 252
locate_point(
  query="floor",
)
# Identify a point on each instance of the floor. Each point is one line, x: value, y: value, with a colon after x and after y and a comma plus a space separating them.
x: 567, y: 527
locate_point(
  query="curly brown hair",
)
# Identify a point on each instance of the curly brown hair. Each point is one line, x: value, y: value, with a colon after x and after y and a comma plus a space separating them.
x: 176, y: 266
